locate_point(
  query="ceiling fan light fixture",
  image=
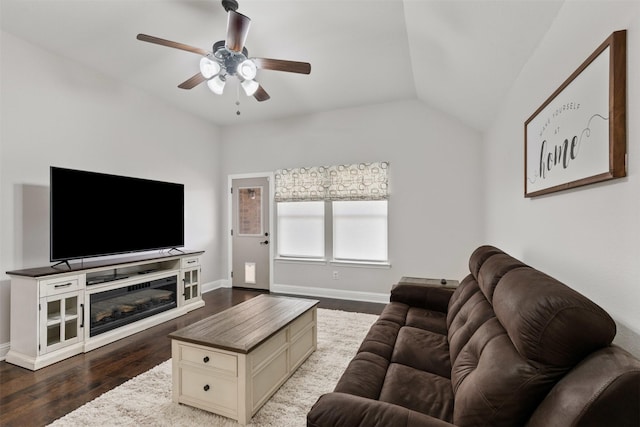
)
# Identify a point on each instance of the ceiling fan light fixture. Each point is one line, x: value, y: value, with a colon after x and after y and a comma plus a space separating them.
x: 250, y: 87
x: 216, y: 84
x: 247, y: 69
x: 208, y: 68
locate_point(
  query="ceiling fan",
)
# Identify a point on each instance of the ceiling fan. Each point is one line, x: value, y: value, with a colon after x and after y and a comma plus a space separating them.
x: 230, y: 58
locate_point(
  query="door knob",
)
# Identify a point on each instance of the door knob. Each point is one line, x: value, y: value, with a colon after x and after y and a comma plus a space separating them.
x: 266, y: 242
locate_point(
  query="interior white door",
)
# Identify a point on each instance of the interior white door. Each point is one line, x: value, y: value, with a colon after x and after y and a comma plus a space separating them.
x: 250, y: 233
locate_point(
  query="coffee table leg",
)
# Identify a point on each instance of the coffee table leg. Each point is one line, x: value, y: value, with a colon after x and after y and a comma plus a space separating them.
x: 244, y: 390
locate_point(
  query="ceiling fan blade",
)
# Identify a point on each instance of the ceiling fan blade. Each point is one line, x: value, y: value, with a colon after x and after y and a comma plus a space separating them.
x: 169, y: 43
x: 237, y: 30
x: 261, y: 94
x: 282, y: 65
x: 192, y: 82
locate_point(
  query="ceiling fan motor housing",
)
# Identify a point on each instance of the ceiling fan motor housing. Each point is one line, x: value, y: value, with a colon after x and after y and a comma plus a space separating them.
x: 228, y: 59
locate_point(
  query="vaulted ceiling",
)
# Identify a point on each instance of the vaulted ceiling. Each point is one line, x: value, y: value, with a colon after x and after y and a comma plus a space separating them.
x: 460, y: 57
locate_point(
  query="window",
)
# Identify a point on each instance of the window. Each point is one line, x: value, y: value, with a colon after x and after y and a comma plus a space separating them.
x: 360, y: 230
x: 301, y: 229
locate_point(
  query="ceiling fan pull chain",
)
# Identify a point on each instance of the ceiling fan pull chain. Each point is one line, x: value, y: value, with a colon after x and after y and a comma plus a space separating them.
x: 238, y: 100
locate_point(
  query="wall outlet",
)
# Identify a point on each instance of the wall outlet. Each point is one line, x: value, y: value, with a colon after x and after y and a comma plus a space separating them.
x: 335, y: 275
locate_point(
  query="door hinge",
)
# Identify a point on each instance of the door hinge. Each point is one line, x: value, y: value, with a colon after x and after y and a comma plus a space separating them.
x: 39, y: 307
x: 232, y: 231
x: 232, y: 274
x: 231, y: 190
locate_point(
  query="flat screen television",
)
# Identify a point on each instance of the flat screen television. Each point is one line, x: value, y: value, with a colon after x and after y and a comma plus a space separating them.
x: 94, y: 214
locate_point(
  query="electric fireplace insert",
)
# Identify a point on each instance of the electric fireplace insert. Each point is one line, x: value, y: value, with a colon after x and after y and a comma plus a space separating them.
x: 117, y: 307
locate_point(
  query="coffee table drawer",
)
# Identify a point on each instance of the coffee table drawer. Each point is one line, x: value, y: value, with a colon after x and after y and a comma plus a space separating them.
x: 205, y: 358
x: 208, y: 391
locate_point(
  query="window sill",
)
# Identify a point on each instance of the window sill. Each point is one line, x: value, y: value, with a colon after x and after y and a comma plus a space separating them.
x: 292, y: 260
x: 367, y: 264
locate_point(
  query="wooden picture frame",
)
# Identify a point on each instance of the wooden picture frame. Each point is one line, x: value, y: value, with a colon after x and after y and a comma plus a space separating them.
x: 578, y: 136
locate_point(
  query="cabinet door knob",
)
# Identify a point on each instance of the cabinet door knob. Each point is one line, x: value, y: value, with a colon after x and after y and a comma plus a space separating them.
x: 206, y: 359
x: 206, y: 387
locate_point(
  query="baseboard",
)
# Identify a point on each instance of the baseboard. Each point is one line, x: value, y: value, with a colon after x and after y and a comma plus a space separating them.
x: 216, y: 284
x: 331, y: 293
x: 310, y: 292
x: 4, y: 349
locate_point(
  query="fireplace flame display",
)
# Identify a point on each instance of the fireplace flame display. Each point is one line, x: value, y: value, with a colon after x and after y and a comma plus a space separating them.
x: 117, y: 307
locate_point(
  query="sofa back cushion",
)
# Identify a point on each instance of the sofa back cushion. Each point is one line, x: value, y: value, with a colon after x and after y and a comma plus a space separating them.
x: 468, y: 310
x: 470, y: 306
x: 492, y: 383
x: 492, y: 270
x: 548, y: 322
x: 479, y: 256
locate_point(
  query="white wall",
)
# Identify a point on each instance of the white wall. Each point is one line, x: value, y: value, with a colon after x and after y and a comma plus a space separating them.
x: 57, y: 112
x: 588, y: 237
x: 435, y: 206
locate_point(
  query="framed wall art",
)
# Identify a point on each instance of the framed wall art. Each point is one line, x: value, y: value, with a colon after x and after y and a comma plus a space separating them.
x: 578, y: 136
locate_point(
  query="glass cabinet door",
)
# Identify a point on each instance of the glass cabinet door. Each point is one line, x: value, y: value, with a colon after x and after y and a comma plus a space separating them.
x: 191, y: 281
x: 61, y: 320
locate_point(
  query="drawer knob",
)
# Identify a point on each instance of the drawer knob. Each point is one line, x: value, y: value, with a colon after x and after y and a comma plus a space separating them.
x: 206, y: 359
x: 206, y: 387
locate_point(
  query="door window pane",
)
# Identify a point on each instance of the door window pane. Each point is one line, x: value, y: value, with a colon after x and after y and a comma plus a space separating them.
x: 301, y: 229
x: 360, y: 230
x: 250, y: 211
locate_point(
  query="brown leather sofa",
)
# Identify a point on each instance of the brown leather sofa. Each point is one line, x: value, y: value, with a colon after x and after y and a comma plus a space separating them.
x: 510, y: 346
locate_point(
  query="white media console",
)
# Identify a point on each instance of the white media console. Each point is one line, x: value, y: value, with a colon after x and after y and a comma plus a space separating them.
x: 58, y: 312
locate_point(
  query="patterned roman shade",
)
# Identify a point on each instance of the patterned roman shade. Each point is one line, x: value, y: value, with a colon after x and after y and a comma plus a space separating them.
x: 360, y: 181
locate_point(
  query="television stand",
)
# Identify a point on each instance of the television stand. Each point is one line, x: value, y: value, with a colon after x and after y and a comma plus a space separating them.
x: 58, y: 314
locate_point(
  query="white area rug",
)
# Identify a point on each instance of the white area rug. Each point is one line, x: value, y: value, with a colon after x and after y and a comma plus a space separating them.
x: 146, y: 399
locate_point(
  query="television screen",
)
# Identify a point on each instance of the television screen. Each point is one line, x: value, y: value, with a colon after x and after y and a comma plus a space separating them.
x: 95, y: 214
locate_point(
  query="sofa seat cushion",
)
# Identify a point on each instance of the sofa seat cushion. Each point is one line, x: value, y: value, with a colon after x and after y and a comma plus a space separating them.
x: 422, y: 350
x: 345, y: 410
x: 418, y: 390
x: 364, y: 376
x: 381, y: 339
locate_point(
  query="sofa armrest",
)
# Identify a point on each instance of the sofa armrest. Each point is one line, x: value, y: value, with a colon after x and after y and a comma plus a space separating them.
x: 347, y: 410
x: 428, y: 297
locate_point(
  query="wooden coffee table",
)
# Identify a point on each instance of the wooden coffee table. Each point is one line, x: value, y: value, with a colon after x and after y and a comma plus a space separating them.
x: 232, y: 362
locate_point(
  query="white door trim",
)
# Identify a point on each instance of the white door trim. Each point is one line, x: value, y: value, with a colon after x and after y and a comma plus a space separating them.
x: 230, y: 178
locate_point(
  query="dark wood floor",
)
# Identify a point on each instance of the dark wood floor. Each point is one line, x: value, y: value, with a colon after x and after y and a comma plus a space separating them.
x: 38, y: 398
